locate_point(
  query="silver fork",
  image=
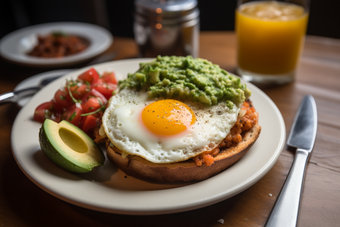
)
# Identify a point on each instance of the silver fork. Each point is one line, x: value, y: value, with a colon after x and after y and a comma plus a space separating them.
x: 15, y: 96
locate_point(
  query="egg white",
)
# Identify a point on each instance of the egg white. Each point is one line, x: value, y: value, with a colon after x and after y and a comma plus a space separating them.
x: 123, y: 126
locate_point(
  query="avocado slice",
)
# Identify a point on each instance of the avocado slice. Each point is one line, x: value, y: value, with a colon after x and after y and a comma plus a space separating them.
x: 69, y: 147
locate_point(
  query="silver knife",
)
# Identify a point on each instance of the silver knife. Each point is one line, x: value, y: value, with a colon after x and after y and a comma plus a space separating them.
x: 14, y: 96
x: 302, y: 137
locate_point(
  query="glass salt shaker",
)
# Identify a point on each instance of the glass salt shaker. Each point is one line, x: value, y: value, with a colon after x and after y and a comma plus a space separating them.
x: 167, y: 27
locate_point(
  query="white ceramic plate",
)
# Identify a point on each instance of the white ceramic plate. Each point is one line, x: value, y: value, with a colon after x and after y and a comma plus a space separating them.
x: 15, y: 45
x: 108, y: 189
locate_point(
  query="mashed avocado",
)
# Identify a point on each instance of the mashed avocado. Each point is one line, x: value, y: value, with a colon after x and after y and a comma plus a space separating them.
x: 186, y: 78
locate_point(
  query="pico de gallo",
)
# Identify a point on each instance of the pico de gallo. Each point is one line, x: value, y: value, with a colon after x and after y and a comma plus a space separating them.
x: 81, y: 101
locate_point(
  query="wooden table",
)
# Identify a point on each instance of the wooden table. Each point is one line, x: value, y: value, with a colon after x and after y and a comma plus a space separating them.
x: 22, y: 203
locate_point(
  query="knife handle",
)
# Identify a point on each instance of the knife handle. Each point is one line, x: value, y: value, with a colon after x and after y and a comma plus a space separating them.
x: 286, y: 208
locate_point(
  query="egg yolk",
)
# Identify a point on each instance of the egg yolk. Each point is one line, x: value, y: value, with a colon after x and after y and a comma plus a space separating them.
x: 167, y: 117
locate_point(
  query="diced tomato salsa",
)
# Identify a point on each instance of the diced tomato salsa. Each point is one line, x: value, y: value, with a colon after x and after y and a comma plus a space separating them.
x: 243, y: 124
x: 81, y: 101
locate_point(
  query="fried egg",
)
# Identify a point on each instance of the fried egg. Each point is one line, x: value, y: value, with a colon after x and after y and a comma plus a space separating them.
x: 165, y: 130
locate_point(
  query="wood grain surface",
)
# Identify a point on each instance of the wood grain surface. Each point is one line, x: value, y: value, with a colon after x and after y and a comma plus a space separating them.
x: 22, y: 203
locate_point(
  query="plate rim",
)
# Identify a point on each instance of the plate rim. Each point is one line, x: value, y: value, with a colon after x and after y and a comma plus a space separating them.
x: 162, y: 209
x: 67, y: 60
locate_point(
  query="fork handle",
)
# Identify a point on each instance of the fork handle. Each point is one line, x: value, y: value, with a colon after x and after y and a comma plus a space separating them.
x: 14, y: 96
x: 286, y: 208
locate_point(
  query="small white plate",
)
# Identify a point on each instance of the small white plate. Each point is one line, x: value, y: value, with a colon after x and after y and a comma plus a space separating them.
x: 107, y: 189
x: 15, y: 45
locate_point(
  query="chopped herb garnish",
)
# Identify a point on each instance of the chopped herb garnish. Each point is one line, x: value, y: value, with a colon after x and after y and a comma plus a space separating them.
x: 58, y: 33
x: 102, y: 108
x: 72, y: 83
x: 72, y: 116
x: 69, y: 91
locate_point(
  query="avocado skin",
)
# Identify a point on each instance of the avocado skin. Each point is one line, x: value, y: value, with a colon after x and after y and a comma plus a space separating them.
x: 51, y: 152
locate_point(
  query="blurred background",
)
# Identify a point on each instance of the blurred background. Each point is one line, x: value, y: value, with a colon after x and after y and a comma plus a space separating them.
x: 117, y: 15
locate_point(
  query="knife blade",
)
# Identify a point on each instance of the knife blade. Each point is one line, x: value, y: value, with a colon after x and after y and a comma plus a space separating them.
x: 302, y: 137
x: 303, y: 131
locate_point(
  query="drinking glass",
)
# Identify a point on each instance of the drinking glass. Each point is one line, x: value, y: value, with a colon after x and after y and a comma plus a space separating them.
x: 270, y: 38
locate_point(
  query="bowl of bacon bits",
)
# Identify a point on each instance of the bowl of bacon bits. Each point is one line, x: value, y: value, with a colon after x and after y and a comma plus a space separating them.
x: 58, y: 44
x: 55, y: 44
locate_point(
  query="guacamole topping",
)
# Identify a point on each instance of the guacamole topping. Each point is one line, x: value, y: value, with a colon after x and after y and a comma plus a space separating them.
x: 186, y: 78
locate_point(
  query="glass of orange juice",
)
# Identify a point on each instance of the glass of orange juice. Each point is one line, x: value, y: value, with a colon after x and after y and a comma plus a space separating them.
x: 270, y: 37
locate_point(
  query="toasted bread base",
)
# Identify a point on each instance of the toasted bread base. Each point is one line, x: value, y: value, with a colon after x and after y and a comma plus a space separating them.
x: 138, y: 167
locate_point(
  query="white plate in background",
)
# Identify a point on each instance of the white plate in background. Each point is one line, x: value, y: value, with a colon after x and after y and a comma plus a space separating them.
x: 107, y: 189
x: 15, y: 45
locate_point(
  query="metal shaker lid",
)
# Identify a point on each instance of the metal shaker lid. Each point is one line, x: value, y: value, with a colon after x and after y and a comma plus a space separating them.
x: 168, y: 9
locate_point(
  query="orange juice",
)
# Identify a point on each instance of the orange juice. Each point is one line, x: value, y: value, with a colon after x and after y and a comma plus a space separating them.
x: 270, y: 36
